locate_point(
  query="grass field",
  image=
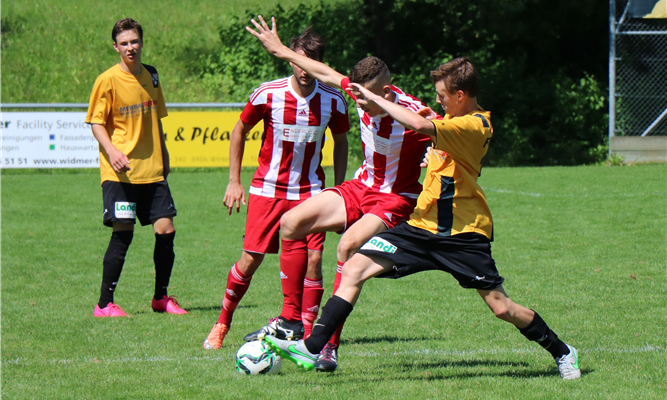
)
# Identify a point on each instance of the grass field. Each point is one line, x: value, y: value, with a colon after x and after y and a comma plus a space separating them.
x: 52, y: 50
x: 584, y: 246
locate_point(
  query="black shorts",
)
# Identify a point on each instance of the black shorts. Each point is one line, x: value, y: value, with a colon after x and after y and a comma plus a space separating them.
x: 124, y: 202
x: 466, y: 256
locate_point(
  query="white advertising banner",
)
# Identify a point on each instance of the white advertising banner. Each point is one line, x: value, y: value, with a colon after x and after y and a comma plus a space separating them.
x: 47, y: 140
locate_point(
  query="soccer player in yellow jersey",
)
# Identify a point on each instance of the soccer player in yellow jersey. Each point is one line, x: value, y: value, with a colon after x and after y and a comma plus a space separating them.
x: 125, y: 109
x: 450, y: 229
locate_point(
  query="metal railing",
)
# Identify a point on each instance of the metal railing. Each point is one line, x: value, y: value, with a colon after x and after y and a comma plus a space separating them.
x: 85, y: 105
x: 637, y: 73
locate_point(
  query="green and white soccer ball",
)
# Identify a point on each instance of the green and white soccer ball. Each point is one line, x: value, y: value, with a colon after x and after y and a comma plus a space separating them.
x: 256, y: 358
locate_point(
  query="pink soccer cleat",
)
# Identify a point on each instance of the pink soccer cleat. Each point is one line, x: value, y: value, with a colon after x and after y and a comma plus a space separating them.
x: 168, y: 305
x: 111, y: 310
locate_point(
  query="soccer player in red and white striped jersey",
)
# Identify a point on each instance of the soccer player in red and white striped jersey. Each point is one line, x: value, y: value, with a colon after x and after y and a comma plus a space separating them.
x: 385, y: 187
x: 296, y: 112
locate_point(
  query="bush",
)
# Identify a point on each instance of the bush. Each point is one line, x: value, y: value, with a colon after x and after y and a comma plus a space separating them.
x: 548, y: 107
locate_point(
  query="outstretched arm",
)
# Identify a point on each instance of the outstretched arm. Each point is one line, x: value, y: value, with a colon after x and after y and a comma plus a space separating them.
x: 403, y: 116
x: 272, y: 44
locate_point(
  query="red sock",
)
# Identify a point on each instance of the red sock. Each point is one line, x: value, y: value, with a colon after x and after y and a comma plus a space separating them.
x: 312, y: 296
x: 335, y: 339
x: 237, y: 285
x: 293, y: 266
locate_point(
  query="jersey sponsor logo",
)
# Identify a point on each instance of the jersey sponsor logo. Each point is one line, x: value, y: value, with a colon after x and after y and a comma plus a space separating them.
x: 126, y: 210
x: 138, y: 108
x: 374, y: 142
x: 379, y: 244
x: 300, y: 133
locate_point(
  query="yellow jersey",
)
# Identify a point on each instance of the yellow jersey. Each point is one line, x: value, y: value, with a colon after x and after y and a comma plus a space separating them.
x: 130, y: 107
x: 451, y: 201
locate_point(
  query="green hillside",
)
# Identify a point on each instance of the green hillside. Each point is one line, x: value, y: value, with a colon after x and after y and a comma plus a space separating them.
x: 52, y: 51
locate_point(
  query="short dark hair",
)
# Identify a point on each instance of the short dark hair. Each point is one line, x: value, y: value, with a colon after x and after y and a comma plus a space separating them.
x: 458, y: 74
x: 367, y: 70
x: 126, y: 24
x: 311, y: 43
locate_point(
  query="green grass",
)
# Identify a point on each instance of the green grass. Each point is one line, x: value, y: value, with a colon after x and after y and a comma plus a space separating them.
x: 52, y: 51
x: 584, y: 246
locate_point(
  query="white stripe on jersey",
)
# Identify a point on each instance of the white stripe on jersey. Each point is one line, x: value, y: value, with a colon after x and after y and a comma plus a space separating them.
x: 306, y: 141
x: 394, y: 163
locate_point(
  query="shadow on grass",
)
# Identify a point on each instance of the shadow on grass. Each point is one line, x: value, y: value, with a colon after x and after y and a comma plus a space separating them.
x: 530, y: 373
x: 199, y: 308
x: 381, y: 339
x: 407, y: 366
x: 481, y: 368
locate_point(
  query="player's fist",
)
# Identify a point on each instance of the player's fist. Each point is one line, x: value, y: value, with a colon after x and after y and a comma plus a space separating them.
x: 427, y: 113
x: 119, y: 161
x: 424, y: 162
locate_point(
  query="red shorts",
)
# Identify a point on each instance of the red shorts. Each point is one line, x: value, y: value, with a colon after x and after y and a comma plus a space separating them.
x: 360, y: 200
x: 263, y: 224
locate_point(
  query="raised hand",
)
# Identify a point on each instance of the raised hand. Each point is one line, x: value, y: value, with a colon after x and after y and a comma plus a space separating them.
x: 269, y: 37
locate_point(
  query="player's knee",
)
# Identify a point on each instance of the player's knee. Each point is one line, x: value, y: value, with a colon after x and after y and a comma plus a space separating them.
x: 346, y: 248
x: 501, y: 310
x: 353, y: 272
x: 289, y: 225
x: 163, y: 226
x: 165, y: 231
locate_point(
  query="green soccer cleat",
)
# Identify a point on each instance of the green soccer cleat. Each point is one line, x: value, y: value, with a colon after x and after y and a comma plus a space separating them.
x: 294, y: 351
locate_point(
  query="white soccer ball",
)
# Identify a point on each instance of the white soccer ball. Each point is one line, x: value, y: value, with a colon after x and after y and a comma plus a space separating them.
x: 255, y: 358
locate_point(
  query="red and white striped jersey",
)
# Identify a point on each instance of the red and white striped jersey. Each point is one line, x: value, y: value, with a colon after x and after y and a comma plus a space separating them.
x: 291, y: 153
x: 392, y: 153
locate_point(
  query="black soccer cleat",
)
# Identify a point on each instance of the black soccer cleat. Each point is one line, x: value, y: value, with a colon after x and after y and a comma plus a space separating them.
x: 279, y: 328
x: 327, y: 361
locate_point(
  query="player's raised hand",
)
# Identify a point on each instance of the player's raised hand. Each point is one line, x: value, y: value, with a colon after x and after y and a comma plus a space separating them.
x: 269, y: 37
x: 234, y: 197
x: 366, y: 95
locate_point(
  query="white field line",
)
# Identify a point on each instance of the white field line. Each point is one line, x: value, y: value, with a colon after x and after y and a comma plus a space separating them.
x: 573, y: 194
x: 369, y: 354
